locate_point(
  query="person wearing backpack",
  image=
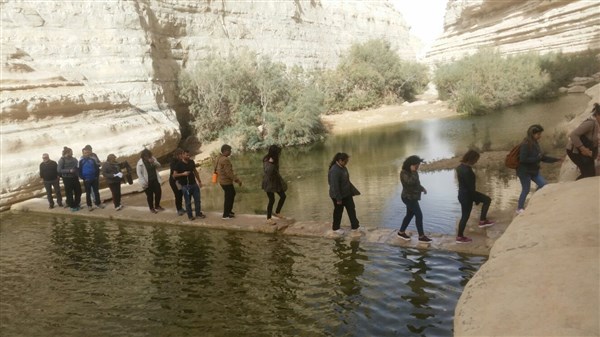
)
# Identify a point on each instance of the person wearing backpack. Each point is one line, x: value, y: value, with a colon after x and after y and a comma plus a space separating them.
x: 530, y: 157
x: 89, y: 171
x: 582, y: 147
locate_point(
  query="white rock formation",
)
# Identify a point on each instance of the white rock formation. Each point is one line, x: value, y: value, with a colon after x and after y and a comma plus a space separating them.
x: 103, y: 72
x: 517, y: 27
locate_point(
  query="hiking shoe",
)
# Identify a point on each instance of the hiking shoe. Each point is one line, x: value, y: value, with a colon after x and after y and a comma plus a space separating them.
x: 51, y: 207
x: 74, y: 209
x: 403, y: 236
x: 101, y: 206
x: 159, y: 209
x: 278, y: 215
x: 463, y: 239
x: 520, y: 211
x: 191, y: 218
x: 486, y: 223
x: 61, y: 205
x: 118, y: 208
x: 271, y: 222
x: 180, y: 212
x: 153, y: 210
x: 338, y: 231
x: 227, y: 217
x: 90, y: 208
x: 424, y: 239
x: 201, y: 215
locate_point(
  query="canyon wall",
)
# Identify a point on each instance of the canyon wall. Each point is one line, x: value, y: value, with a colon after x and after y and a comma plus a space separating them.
x: 104, y: 72
x: 515, y: 26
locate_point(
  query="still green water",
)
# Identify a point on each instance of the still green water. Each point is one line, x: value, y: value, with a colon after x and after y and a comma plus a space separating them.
x: 377, y: 155
x: 75, y: 277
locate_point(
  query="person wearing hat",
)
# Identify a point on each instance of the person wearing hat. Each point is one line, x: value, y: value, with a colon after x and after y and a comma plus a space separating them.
x: 530, y: 157
x: 411, y: 194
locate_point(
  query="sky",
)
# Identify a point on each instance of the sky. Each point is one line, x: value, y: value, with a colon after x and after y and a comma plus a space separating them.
x: 425, y: 17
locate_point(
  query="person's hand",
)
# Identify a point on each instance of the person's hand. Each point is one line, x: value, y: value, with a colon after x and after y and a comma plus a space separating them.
x: 585, y: 151
x: 424, y: 190
x: 240, y: 183
x: 186, y: 173
x: 339, y: 202
x: 199, y: 184
x: 120, y: 175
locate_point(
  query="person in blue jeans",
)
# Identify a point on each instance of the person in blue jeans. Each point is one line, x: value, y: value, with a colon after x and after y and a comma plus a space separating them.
x: 187, y: 176
x: 530, y: 157
x: 411, y: 194
x: 89, y: 172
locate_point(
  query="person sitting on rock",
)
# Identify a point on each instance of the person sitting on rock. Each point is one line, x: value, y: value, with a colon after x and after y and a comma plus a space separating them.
x: 49, y: 174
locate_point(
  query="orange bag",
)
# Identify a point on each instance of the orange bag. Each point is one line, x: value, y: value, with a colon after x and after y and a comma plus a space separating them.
x: 215, y: 177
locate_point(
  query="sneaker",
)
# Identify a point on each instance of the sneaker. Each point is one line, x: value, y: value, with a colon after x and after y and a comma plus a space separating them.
x: 65, y: 206
x: 118, y: 208
x: 278, y: 215
x: 153, y: 210
x: 74, y: 209
x: 201, y: 215
x: 424, y: 239
x: 159, y: 209
x: 232, y: 213
x: 51, y: 207
x: 271, y: 222
x: 61, y: 205
x: 338, y: 231
x: 101, y: 206
x: 227, y: 217
x: 191, y: 218
x: 463, y: 239
x: 520, y: 211
x: 90, y: 208
x: 403, y: 236
x: 180, y: 212
x: 486, y: 223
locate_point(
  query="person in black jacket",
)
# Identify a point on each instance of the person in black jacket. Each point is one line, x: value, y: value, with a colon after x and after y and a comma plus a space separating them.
x: 49, y: 173
x: 530, y: 156
x: 175, y: 159
x: 273, y: 183
x: 411, y: 194
x: 111, y: 170
x: 467, y: 195
x: 341, y: 192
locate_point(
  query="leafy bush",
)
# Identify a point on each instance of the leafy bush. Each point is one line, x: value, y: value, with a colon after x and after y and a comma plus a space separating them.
x: 370, y: 74
x: 562, y: 68
x: 487, y: 81
x: 252, y: 102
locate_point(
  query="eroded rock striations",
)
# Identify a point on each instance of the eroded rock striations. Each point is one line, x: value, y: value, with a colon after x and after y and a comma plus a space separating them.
x: 103, y: 72
x: 514, y: 26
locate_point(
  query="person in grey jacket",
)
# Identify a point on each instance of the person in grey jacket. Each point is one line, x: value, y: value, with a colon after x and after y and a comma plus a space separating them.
x: 273, y: 182
x: 411, y: 194
x: 149, y: 178
x: 112, y: 173
x: 341, y: 192
x: 584, y: 155
x: 68, y: 170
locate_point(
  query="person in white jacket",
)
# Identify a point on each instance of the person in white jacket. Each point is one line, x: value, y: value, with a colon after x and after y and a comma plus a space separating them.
x: 149, y: 178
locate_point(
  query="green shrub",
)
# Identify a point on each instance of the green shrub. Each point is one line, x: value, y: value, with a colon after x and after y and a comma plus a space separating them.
x: 562, y: 68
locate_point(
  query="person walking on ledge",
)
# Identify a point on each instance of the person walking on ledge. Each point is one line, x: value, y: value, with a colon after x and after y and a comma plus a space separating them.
x: 226, y: 180
x: 341, y: 192
x: 530, y: 157
x: 149, y: 178
x: 273, y: 183
x: 49, y: 174
x: 411, y: 194
x: 467, y: 195
x: 582, y: 148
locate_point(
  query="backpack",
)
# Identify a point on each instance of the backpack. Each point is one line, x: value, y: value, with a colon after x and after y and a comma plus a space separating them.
x: 512, y: 158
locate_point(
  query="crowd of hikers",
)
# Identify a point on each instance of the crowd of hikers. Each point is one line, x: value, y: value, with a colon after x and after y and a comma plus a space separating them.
x: 185, y: 182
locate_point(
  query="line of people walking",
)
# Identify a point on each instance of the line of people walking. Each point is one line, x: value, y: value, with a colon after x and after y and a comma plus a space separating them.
x: 185, y: 182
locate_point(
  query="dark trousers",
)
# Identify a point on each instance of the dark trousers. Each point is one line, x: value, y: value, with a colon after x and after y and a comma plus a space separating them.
x: 190, y: 191
x: 115, y: 190
x: 338, y: 210
x: 53, y: 184
x: 91, y: 186
x: 271, y: 196
x: 466, y: 206
x: 72, y: 191
x: 413, y: 209
x: 229, y: 198
x: 586, y: 164
x: 178, y: 195
x: 153, y: 194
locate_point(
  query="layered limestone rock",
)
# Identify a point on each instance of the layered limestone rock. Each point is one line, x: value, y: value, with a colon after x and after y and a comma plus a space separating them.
x: 517, y: 27
x: 104, y: 72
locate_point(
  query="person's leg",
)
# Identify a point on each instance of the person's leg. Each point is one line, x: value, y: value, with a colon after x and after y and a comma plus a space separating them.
x: 585, y: 165
x: 196, y: 195
x: 187, y: 196
x: 486, y: 201
x: 409, y: 215
x: 149, y: 197
x: 338, y: 210
x: 113, y: 193
x: 56, y: 186
x: 525, y: 180
x: 77, y: 191
x: 118, y: 193
x: 69, y: 191
x: 88, y: 192
x: 48, y: 187
x: 157, y: 193
x: 351, y: 210
x: 466, y: 205
x: 270, y: 204
x: 280, y: 203
x: 95, y: 187
x: 228, y: 201
x: 418, y: 216
x: 177, y: 194
x: 539, y: 181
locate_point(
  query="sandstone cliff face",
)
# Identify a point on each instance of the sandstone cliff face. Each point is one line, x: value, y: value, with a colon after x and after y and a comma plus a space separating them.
x: 103, y: 72
x: 515, y: 26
